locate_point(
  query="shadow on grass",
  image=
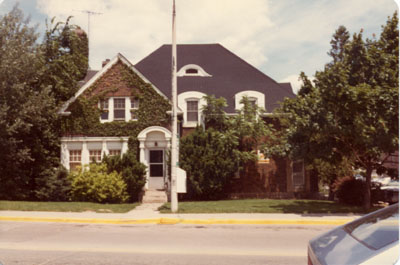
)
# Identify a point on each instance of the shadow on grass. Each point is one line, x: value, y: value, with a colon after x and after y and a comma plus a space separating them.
x: 318, y: 208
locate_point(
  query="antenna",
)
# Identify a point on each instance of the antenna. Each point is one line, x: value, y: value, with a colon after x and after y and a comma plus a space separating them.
x: 89, y: 13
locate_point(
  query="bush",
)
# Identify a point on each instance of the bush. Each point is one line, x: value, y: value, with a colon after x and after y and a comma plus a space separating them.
x: 132, y: 171
x: 210, y: 159
x: 53, y: 185
x: 95, y: 184
x: 349, y: 190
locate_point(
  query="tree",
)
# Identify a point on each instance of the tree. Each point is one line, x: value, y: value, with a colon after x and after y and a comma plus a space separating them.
x: 29, y: 124
x: 351, y: 113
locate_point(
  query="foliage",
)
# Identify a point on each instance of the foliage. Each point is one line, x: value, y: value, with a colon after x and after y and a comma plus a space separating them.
x: 132, y: 171
x: 350, y: 114
x: 29, y: 144
x: 53, y: 186
x: 65, y: 58
x: 349, y: 190
x: 84, y: 118
x: 211, y: 159
x: 214, y: 114
x: 93, y: 183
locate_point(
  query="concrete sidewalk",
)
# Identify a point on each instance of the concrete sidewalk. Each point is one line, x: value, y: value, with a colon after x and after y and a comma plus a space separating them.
x: 148, y: 214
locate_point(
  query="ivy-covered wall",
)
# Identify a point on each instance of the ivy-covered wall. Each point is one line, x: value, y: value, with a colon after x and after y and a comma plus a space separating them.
x: 118, y: 81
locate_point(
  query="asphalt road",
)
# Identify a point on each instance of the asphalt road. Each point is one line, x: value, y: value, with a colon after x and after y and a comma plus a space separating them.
x: 57, y: 243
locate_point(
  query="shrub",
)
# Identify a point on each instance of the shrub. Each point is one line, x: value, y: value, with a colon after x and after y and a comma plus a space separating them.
x: 210, y: 159
x: 349, y: 190
x: 95, y: 184
x: 53, y: 185
x: 132, y: 171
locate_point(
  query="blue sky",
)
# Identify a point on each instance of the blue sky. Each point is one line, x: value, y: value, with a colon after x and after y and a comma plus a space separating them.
x: 279, y: 37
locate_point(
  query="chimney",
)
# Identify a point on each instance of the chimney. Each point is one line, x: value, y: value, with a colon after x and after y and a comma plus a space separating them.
x: 105, y: 62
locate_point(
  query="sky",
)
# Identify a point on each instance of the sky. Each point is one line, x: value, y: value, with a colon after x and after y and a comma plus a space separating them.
x: 279, y: 37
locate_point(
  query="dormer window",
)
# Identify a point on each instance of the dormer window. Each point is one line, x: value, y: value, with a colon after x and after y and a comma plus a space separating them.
x: 192, y: 110
x: 192, y: 71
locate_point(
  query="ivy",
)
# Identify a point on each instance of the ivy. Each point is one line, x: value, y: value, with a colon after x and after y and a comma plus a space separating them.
x: 85, y: 114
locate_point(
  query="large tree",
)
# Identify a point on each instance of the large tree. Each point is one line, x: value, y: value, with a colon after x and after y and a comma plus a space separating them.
x: 29, y: 98
x: 350, y: 114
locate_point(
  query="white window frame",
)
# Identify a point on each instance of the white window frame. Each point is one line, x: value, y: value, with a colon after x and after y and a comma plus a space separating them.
x: 200, y: 71
x: 251, y: 94
x: 188, y: 101
x: 134, y: 108
x: 183, y: 98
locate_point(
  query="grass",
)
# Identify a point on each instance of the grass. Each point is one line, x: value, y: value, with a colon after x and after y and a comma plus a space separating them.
x: 264, y: 206
x: 66, y: 206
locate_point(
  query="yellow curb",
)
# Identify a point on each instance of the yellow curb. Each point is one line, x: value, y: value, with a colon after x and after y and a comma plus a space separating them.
x: 173, y: 221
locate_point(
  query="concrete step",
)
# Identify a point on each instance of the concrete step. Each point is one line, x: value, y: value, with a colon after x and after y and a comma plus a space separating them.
x: 155, y: 196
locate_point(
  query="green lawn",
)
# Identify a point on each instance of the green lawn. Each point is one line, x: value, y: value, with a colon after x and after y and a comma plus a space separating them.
x: 66, y: 206
x: 263, y: 206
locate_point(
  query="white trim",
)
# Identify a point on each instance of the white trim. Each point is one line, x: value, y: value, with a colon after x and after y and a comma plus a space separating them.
x: 188, y: 96
x: 99, y: 74
x: 84, y: 140
x: 260, y: 98
x: 200, y: 71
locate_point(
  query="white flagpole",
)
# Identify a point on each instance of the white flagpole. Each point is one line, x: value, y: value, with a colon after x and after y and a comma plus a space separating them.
x: 174, y: 153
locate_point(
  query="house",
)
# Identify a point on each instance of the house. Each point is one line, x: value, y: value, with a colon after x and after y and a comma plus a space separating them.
x: 132, y: 102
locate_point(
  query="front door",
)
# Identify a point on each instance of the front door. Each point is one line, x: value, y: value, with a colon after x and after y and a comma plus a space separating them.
x: 156, y: 169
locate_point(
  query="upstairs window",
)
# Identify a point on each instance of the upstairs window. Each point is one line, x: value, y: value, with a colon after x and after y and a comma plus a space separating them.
x: 192, y: 110
x: 104, y: 109
x: 134, y: 108
x: 119, y: 108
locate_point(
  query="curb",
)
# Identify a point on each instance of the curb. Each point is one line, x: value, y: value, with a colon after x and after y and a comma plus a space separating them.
x: 174, y: 221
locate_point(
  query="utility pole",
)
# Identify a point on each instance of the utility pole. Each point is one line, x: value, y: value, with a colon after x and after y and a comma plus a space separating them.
x: 174, y: 150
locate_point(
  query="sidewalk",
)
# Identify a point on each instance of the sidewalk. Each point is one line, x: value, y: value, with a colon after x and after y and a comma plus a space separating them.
x: 147, y: 214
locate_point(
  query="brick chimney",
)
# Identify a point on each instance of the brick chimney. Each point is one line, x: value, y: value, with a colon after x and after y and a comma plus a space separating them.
x: 105, y: 62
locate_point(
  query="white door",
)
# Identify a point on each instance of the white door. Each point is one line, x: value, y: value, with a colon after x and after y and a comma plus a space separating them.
x: 156, y: 169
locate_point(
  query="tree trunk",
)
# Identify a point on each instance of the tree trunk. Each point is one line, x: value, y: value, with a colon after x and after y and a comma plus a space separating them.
x: 367, y: 189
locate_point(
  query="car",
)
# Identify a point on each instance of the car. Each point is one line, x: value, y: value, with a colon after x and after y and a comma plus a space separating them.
x: 390, y: 192
x: 371, y: 239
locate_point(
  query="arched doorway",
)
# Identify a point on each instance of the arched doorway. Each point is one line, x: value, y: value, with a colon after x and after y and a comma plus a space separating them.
x: 155, y: 141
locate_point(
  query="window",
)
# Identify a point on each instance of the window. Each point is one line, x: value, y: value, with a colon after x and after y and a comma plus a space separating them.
x: 253, y: 101
x: 75, y: 157
x: 95, y: 155
x: 298, y: 173
x: 192, y: 110
x: 134, y: 108
x: 119, y: 108
x: 104, y: 109
x: 156, y: 163
x: 114, y: 152
x: 191, y: 71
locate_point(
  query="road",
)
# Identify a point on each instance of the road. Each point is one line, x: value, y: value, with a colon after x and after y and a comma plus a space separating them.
x: 56, y: 243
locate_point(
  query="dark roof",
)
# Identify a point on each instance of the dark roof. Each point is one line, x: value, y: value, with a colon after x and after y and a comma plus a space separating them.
x: 89, y: 75
x: 230, y: 74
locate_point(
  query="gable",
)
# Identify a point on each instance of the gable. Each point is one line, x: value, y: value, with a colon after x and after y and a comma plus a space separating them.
x: 111, y: 81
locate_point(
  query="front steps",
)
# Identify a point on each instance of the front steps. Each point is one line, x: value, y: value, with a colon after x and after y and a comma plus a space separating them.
x: 155, y: 196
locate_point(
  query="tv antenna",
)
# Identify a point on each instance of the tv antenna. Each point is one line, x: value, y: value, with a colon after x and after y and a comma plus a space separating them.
x: 89, y: 13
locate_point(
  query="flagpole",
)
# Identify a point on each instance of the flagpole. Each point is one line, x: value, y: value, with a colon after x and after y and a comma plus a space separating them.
x: 174, y: 153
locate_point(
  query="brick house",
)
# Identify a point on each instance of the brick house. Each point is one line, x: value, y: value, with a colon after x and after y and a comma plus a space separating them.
x: 132, y: 101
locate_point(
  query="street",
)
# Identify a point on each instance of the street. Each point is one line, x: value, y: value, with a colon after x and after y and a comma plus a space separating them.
x: 26, y: 243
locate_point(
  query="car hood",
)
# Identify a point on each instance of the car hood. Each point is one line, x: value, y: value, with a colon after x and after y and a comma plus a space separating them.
x: 339, y: 247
